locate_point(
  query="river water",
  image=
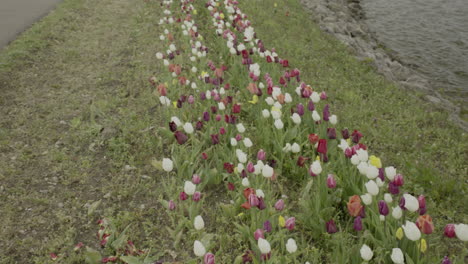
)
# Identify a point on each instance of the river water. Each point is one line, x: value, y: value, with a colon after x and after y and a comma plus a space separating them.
x: 432, y: 35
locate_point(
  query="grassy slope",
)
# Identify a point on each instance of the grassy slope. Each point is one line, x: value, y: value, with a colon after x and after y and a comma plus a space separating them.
x: 87, y: 64
x: 398, y: 127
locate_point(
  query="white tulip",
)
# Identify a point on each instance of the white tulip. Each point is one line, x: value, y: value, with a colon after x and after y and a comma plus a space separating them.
x: 379, y: 182
x: 362, y: 155
x: 221, y: 106
x: 265, y: 113
x: 199, y: 249
x: 245, y: 182
x: 355, y: 160
x: 189, y: 188
x: 193, y: 85
x: 397, y: 213
x: 188, y: 128
x: 295, y: 148
x: 194, y: 69
x: 461, y: 230
x: 316, y: 168
x: 366, y: 252
x: 363, y: 167
x: 199, y: 223
x: 411, y: 203
x: 287, y: 147
x: 287, y: 98
x: 397, y: 256
x: 366, y: 199
x: 267, y: 171
x: 167, y: 164
x: 291, y: 246
x: 233, y: 142
x: 166, y: 62
x: 279, y: 124
x: 159, y: 55
x: 172, y: 47
x: 315, y: 116
x: 260, y: 193
x: 264, y: 246
x: 247, y: 142
x: 242, y: 157
x: 240, y: 127
x: 276, y: 114
x: 412, y: 231
x: 240, y: 167
x: 269, y: 100
x: 390, y: 172
x: 208, y: 95
x: 372, y: 188
x: 296, y: 119
x: 388, y: 198
x: 315, y: 97
x: 343, y: 144
x: 333, y: 119
x: 372, y: 172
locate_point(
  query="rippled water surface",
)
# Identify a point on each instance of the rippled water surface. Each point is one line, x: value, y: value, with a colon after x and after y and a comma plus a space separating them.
x: 432, y: 34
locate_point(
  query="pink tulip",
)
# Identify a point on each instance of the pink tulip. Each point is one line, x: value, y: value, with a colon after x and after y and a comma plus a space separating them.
x: 331, y: 182
x: 259, y: 234
x: 261, y: 154
x: 279, y: 205
x: 171, y: 205
x: 196, y: 179
x: 253, y: 200
x: 209, y: 258
x: 290, y: 223
x: 250, y: 167
x: 449, y: 230
x: 183, y: 196
x: 196, y: 196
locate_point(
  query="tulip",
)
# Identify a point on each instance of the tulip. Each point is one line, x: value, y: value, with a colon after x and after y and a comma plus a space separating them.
x: 295, y: 148
x: 261, y: 203
x: 206, y: 116
x: 449, y: 230
x: 167, y: 164
x: 383, y: 208
x: 188, y: 128
x: 245, y: 182
x: 258, y: 234
x: 331, y: 227
x: 204, y: 156
x: 446, y: 260
x: 313, y: 138
x: 322, y: 146
x: 247, y: 257
x: 196, y: 196
x: 331, y: 133
x: 366, y: 252
x: 240, y: 127
x: 222, y: 130
x: 399, y: 233
x: 411, y: 203
x: 279, y: 205
x: 390, y: 172
x: 261, y: 154
x: 393, y: 188
x: 180, y: 137
x: 300, y: 109
x: 236, y: 108
x: 290, y: 223
x: 231, y: 186
x: 250, y: 167
x: 267, y: 171
x: 198, y: 223
x: 215, y: 139
x: 315, y: 116
x: 356, y: 136
x: 366, y: 198
x: 388, y: 198
x: 357, y: 223
x: 301, y: 161
x: 279, y: 124
x: 189, y: 188
x: 397, y: 256
x: 345, y: 133
x: 326, y: 113
x: 172, y: 126
x: 199, y: 249
x: 424, y: 223
x: 354, y: 205
x: 264, y: 246
x: 267, y: 226
x: 315, y: 168
x: 461, y: 230
x: 296, y: 119
x: 398, y: 181
x: 291, y: 246
x: 331, y: 182
x: 397, y: 212
x: 411, y: 231
x: 196, y: 179
x: 372, y: 188
x: 183, y: 196
x: 209, y: 258
x: 171, y: 205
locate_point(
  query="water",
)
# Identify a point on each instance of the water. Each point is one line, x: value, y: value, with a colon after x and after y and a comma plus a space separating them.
x: 431, y: 34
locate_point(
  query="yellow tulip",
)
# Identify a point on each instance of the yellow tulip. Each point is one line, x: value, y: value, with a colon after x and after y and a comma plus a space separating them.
x: 254, y: 99
x: 221, y: 16
x: 174, y: 81
x: 194, y: 11
x: 174, y: 104
x: 423, y: 246
x: 399, y: 233
x: 281, y: 221
x: 375, y: 161
x: 276, y: 5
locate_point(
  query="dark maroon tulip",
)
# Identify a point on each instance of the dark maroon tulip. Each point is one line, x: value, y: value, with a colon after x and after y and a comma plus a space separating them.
x: 183, y: 196
x: 357, y: 223
x: 326, y: 113
x: 231, y: 186
x: 179, y: 103
x: 261, y: 204
x: 222, y: 130
x: 301, y: 161
x: 215, y: 139
x: 381, y: 174
x: 393, y: 188
x: 383, y: 208
x: 422, y: 201
x: 398, y: 181
x: 345, y: 133
x: 172, y: 126
x: 331, y: 133
x: 311, y: 106
x: 180, y: 137
x: 202, y: 96
x: 206, y: 116
x: 243, y: 174
x: 214, y: 109
x: 402, y: 203
x: 331, y: 227
x: 236, y: 108
x: 356, y: 136
x: 348, y: 153
x: 247, y: 257
x: 199, y: 125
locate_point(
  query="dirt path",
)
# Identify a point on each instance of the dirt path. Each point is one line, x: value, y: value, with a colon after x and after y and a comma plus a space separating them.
x: 67, y: 113
x: 18, y: 15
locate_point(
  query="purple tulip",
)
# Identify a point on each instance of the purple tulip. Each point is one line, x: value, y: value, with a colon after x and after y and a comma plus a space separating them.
x: 446, y: 260
x: 357, y: 223
x: 253, y: 200
x: 393, y: 188
x: 199, y: 125
x: 206, y: 116
x: 267, y: 226
x: 300, y: 109
x: 402, y: 203
x: 383, y: 208
x: 191, y: 99
x: 331, y: 133
x: 261, y: 204
x: 331, y: 227
x: 311, y: 106
x: 326, y: 113
x: 183, y: 196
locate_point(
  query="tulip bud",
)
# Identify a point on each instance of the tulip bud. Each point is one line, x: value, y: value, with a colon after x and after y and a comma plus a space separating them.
x: 446, y: 260
x: 424, y: 223
x: 372, y: 188
x: 345, y: 133
x: 189, y: 188
x: 253, y: 200
x: 383, y: 208
x: 411, y: 203
x: 258, y: 234
x: 331, y: 182
x: 267, y: 171
x: 261, y: 154
x: 398, y: 181
x: 231, y: 186
x: 204, y: 156
x: 264, y: 246
x: 411, y: 231
x: 397, y: 213
x: 267, y: 226
x: 449, y: 230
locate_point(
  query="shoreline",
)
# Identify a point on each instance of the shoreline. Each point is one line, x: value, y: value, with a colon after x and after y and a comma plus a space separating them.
x: 345, y: 20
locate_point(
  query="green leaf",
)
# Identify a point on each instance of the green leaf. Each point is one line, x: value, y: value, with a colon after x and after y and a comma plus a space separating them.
x: 131, y: 260
x: 93, y: 207
x: 121, y: 240
x: 92, y: 256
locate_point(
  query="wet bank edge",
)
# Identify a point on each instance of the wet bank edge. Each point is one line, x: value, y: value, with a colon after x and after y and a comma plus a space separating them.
x: 344, y: 19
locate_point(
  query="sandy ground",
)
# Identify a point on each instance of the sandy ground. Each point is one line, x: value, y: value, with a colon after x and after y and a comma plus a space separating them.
x: 17, y: 15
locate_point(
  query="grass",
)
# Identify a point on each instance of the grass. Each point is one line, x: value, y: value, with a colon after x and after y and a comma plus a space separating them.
x: 80, y: 118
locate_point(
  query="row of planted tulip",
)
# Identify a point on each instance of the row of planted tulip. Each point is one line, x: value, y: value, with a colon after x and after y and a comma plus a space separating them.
x: 243, y: 119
